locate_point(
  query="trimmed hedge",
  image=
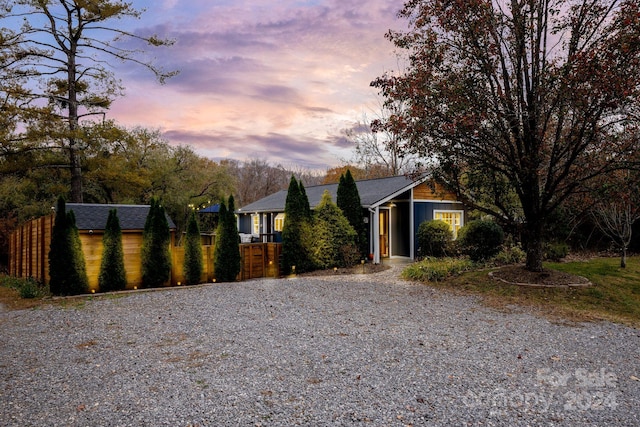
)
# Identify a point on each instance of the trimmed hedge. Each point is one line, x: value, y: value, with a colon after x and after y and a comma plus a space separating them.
x: 434, y: 238
x: 481, y: 239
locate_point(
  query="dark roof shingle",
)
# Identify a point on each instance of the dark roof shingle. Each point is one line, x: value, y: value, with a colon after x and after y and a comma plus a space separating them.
x: 94, y: 216
x: 371, y: 192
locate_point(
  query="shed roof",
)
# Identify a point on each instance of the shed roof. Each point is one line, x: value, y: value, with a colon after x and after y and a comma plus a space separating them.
x: 94, y: 216
x: 372, y: 193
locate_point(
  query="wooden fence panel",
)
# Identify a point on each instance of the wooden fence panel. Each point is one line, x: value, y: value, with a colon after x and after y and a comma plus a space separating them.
x: 29, y: 255
x: 177, y: 264
x: 253, y: 260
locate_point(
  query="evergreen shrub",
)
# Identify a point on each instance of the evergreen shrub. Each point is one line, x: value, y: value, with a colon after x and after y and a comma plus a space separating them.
x: 156, y: 258
x: 113, y: 276
x: 296, y: 230
x: 67, y: 271
x: 333, y: 239
x: 481, y: 239
x: 556, y: 251
x: 227, y: 253
x: 192, y: 252
x: 434, y: 238
x: 348, y: 200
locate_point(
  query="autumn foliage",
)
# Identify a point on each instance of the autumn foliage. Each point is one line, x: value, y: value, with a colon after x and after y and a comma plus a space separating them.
x: 519, y: 104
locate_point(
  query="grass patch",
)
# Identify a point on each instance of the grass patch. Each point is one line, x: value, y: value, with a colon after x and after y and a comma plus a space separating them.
x: 615, y: 296
x: 436, y: 269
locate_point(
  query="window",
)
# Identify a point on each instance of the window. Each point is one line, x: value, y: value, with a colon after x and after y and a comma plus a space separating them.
x: 255, y: 221
x: 453, y: 218
x: 278, y: 222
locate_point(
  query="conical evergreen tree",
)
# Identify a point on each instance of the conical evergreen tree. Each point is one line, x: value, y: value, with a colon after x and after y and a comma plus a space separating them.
x: 192, y: 252
x: 67, y: 272
x: 348, y: 200
x: 156, y: 258
x: 227, y: 253
x: 304, y: 202
x: 79, y: 282
x: 113, y: 276
x: 59, y: 251
x: 295, y: 230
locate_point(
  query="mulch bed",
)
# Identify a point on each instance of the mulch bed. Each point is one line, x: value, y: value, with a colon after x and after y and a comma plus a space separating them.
x: 518, y: 275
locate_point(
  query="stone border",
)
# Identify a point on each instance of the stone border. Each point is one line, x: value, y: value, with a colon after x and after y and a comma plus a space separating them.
x: 587, y: 283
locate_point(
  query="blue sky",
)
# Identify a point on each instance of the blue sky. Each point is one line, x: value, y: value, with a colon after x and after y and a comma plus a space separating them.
x: 279, y: 81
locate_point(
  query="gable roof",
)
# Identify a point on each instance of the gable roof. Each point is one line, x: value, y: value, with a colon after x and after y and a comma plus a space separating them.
x: 373, y: 192
x: 94, y: 216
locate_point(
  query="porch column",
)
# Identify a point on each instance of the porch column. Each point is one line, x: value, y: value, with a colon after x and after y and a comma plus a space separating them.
x: 412, y: 230
x: 375, y: 235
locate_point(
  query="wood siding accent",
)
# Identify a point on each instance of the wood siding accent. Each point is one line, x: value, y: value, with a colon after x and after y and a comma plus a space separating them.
x: 424, y: 192
x: 29, y: 255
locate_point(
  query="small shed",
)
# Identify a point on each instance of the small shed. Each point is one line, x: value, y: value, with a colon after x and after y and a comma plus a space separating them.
x: 29, y: 244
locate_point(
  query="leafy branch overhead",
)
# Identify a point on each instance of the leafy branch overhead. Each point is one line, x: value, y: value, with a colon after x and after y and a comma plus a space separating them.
x: 58, y: 81
x: 520, y: 104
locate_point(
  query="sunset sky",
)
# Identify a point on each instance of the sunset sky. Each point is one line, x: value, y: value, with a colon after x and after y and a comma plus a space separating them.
x: 279, y: 81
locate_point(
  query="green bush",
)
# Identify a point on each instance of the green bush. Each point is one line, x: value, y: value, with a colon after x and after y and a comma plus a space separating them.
x: 192, y: 252
x: 556, y: 251
x: 434, y: 238
x: 480, y: 239
x: 433, y: 269
x: 333, y: 239
x: 27, y: 288
x: 113, y: 276
x: 512, y: 254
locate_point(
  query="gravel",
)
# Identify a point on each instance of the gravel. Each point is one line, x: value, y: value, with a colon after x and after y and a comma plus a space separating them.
x: 361, y: 350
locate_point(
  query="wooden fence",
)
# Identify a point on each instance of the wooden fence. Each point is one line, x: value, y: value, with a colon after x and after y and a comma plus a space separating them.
x: 29, y: 253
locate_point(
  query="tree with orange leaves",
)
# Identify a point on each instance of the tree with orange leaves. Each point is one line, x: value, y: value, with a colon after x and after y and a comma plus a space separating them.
x: 518, y: 103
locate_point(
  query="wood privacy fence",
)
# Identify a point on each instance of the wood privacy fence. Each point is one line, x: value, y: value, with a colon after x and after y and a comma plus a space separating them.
x: 29, y: 255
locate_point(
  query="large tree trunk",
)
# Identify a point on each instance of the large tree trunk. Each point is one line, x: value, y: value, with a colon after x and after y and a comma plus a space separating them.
x: 623, y: 259
x: 534, y: 246
x: 74, y: 155
x: 76, y: 176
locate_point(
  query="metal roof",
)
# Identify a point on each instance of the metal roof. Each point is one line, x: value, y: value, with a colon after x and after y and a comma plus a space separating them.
x: 94, y: 216
x: 373, y: 192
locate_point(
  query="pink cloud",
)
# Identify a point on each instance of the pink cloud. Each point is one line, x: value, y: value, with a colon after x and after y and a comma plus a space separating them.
x: 258, y: 78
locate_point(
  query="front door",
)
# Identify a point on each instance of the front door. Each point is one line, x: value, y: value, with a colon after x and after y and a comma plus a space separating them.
x: 384, y: 233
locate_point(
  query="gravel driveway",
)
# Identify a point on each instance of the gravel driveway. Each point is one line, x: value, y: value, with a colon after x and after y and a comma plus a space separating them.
x: 367, y: 350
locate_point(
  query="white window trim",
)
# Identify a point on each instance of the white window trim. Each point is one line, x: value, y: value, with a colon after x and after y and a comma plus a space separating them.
x: 278, y: 217
x: 461, y: 212
x: 253, y: 224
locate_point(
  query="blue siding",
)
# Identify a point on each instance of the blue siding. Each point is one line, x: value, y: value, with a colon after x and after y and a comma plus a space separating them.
x: 423, y: 211
x: 244, y: 225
